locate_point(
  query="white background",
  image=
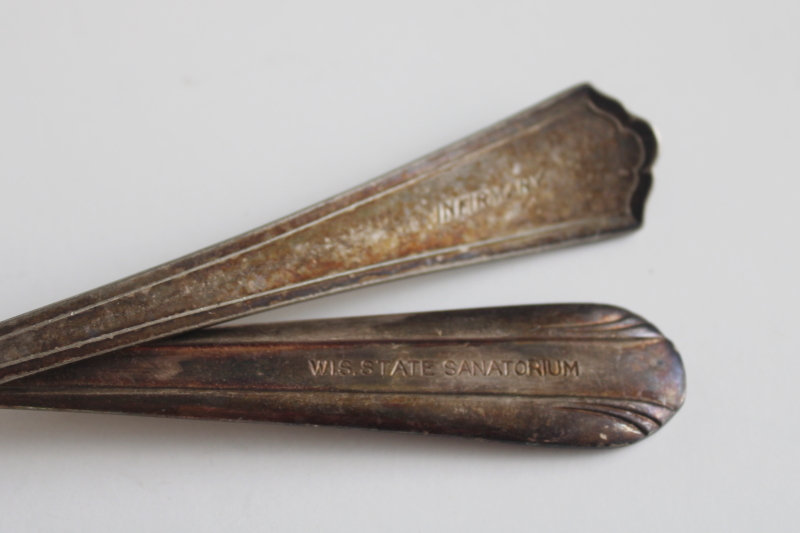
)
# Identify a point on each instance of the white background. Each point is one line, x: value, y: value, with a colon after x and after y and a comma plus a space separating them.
x: 132, y: 133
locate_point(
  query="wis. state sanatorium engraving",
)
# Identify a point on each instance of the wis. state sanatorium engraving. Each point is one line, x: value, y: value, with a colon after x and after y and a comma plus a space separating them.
x: 447, y: 368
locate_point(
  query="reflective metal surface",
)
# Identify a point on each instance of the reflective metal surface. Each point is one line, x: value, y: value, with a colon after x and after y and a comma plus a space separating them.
x: 573, y: 169
x: 571, y: 374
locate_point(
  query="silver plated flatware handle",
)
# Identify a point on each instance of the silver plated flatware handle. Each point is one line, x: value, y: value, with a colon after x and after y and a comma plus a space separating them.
x: 573, y: 169
x: 572, y: 374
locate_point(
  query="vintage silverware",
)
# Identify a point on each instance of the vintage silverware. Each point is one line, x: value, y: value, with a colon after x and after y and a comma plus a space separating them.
x: 575, y: 168
x: 571, y: 374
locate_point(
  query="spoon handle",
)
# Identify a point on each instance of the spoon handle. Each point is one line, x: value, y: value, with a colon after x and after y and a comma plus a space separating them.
x: 572, y: 374
x: 573, y: 169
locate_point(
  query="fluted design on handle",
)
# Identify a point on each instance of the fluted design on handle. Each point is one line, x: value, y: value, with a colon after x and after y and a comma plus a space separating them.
x: 570, y: 374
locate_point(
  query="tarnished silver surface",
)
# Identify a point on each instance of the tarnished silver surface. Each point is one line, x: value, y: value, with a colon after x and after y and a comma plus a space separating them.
x: 569, y: 374
x: 573, y: 169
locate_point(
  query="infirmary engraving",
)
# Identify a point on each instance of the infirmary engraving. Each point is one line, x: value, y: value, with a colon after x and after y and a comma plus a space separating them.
x: 451, y: 368
x: 475, y: 201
